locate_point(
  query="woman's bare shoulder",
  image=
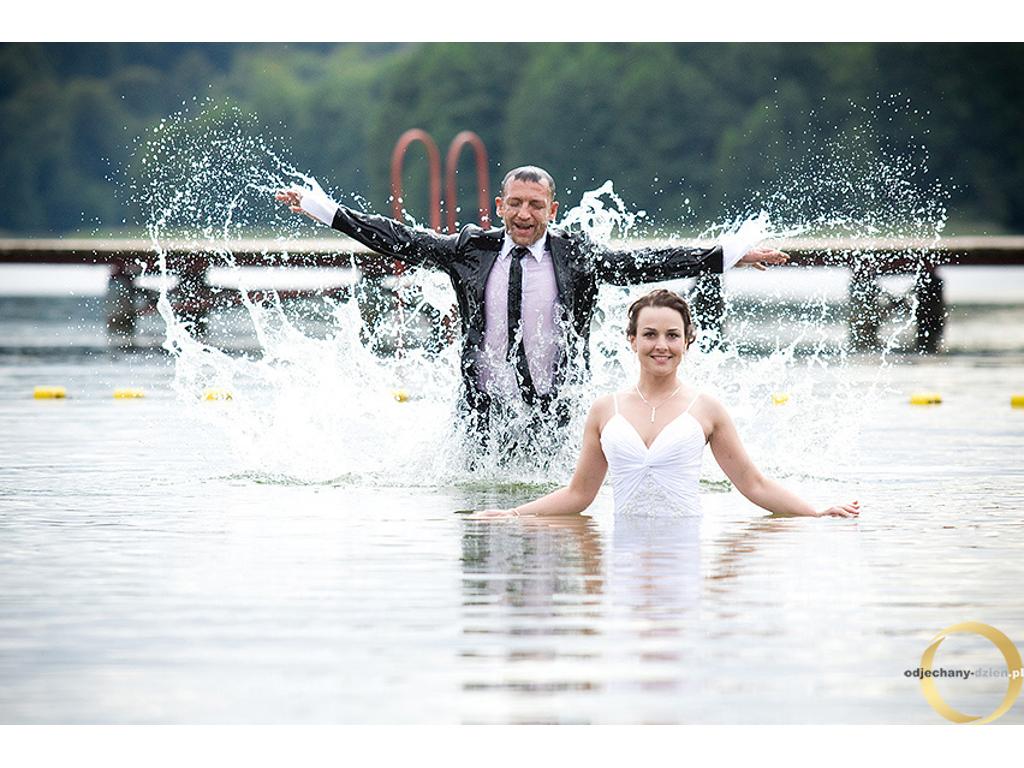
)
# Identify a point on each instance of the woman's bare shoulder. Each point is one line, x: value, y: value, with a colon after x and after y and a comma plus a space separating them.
x: 707, y: 401
x: 708, y: 409
x: 602, y: 409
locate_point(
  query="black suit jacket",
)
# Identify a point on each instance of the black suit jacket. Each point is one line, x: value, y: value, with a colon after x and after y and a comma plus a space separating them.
x: 580, y: 267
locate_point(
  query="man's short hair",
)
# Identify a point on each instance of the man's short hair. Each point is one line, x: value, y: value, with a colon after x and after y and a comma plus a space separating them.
x: 529, y: 173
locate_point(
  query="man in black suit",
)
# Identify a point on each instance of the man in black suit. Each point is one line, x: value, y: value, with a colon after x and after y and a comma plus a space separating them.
x: 526, y: 292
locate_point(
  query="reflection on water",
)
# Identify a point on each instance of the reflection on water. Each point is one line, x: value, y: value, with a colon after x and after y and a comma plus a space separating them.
x: 648, y: 620
x: 554, y: 607
x: 532, y: 603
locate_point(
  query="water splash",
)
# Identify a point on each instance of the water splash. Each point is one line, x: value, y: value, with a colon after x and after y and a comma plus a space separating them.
x: 321, y: 406
x: 601, y: 214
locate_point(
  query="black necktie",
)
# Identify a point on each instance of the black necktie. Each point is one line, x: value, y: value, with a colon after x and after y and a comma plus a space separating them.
x: 517, y: 351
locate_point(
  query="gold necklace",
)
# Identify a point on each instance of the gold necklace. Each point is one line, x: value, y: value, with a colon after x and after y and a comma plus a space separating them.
x: 654, y: 408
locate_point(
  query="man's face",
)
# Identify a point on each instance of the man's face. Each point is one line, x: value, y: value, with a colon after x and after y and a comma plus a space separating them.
x: 526, y: 209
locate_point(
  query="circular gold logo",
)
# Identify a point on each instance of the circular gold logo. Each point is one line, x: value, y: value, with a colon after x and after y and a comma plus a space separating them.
x: 1013, y: 667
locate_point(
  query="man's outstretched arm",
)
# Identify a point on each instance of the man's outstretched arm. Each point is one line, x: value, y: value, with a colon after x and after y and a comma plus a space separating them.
x: 649, y: 265
x: 380, y: 234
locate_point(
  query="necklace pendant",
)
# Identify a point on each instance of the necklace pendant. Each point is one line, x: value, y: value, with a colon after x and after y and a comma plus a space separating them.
x: 653, y: 410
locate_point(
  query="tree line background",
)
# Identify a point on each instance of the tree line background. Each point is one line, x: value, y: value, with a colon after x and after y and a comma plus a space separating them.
x: 686, y: 131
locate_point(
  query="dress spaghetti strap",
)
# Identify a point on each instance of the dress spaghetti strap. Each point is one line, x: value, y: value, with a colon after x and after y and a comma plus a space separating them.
x: 692, y: 402
x: 615, y: 399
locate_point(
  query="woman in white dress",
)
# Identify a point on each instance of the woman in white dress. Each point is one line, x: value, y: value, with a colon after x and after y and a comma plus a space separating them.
x: 652, y: 437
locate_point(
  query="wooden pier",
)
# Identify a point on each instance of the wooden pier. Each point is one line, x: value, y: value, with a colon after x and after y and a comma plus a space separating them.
x: 190, y: 261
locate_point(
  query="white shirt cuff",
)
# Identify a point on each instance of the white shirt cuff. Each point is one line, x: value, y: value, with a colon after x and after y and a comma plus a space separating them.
x: 735, y: 247
x: 317, y: 204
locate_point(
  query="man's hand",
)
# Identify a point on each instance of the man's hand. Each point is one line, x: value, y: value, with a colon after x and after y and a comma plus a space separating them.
x: 312, y: 201
x: 293, y: 199
x: 758, y: 258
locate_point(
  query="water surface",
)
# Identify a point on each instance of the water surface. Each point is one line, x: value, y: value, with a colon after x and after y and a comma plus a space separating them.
x: 149, y: 574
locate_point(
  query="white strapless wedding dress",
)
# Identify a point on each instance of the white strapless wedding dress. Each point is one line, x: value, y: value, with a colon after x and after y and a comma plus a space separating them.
x: 661, y: 480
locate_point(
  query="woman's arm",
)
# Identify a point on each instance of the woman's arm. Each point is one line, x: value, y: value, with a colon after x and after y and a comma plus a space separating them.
x: 763, y: 491
x: 586, y: 480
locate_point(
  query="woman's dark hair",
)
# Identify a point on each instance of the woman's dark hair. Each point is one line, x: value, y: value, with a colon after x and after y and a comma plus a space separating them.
x: 663, y: 298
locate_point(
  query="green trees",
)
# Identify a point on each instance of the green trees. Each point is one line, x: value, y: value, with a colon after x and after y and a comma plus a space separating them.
x: 685, y: 131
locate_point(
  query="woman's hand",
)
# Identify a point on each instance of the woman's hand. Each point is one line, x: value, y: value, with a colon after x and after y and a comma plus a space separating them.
x: 494, y: 514
x: 843, y: 510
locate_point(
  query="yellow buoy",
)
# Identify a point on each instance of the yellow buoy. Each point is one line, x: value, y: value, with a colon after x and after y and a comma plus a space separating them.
x: 128, y: 393
x: 925, y: 398
x: 780, y: 398
x: 400, y: 395
x: 217, y: 394
x: 1017, y: 401
x: 49, y: 393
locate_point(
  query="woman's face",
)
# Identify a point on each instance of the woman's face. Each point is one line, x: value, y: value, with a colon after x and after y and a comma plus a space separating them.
x: 660, y: 340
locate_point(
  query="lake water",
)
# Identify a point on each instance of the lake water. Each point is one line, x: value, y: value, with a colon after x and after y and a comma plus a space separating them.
x: 150, y: 573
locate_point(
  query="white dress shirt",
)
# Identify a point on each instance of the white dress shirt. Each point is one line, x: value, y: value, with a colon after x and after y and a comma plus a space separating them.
x: 541, y: 333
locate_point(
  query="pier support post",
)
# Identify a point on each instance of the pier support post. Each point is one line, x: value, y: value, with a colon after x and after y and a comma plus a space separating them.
x: 192, y: 297
x: 121, y: 300
x: 709, y: 306
x: 864, y: 322
x: 930, y: 312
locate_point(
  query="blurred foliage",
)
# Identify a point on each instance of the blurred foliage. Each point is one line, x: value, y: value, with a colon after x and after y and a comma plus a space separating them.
x: 686, y: 131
